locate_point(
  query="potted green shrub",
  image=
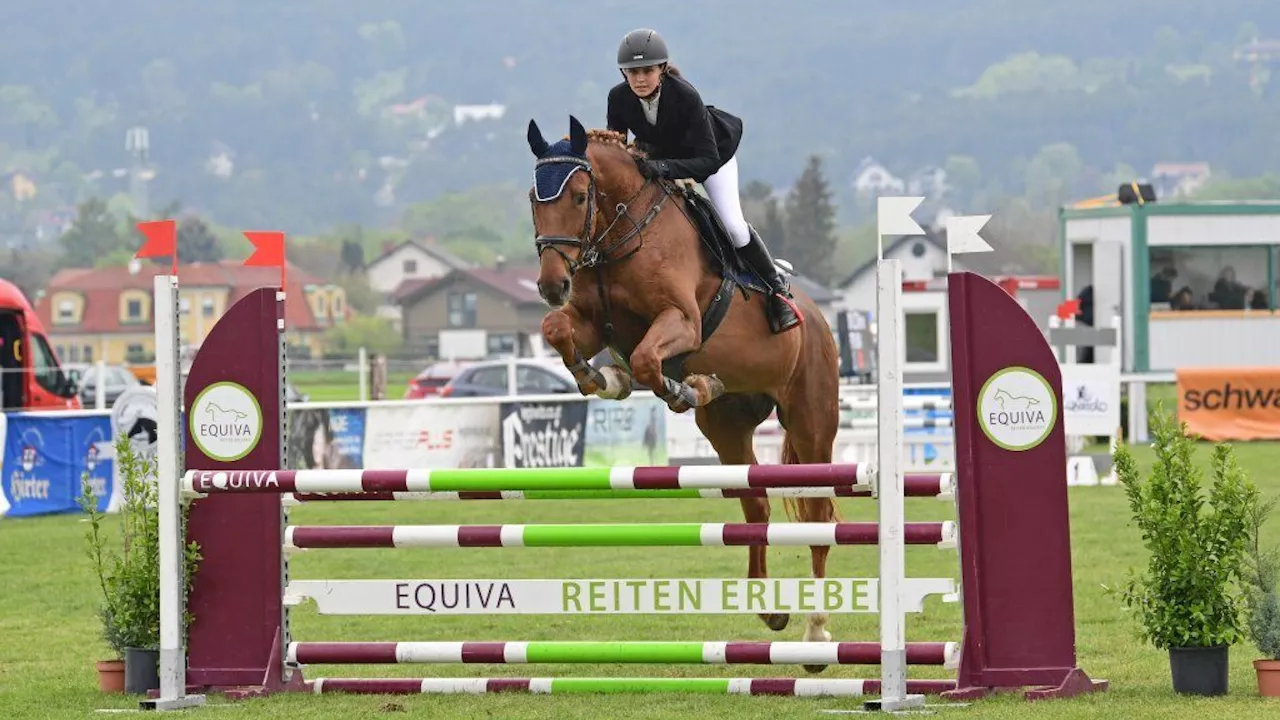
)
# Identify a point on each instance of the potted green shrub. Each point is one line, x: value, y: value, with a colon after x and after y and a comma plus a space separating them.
x: 1263, y: 577
x: 1188, y: 600
x: 130, y: 578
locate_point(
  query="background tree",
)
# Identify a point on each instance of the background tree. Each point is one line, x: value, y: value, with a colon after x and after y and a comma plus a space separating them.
x: 197, y: 242
x: 94, y: 234
x: 352, y: 256
x: 810, y: 237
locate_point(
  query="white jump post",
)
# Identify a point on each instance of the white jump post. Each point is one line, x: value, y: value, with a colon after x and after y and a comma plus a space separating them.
x: 890, y: 491
x: 888, y: 483
x: 173, y: 652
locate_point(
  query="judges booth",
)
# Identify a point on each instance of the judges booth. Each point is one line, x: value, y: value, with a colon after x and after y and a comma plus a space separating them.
x: 1193, y: 283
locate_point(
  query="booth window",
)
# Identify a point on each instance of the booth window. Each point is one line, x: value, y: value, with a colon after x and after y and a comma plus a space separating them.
x: 1212, y: 278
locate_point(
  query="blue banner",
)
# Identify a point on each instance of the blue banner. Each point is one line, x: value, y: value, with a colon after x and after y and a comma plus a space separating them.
x: 330, y: 438
x: 44, y: 458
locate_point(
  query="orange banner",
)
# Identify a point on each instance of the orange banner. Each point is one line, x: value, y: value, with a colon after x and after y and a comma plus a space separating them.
x: 1230, y: 403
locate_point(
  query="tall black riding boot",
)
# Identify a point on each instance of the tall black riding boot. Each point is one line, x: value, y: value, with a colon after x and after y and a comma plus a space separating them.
x: 782, y: 312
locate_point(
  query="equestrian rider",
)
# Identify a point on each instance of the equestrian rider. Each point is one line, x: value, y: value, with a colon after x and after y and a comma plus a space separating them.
x: 686, y: 139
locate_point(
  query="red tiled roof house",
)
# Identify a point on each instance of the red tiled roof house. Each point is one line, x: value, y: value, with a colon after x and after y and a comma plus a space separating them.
x: 106, y: 313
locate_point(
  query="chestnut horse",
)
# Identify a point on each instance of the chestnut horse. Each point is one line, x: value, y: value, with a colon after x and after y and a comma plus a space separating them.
x: 627, y: 271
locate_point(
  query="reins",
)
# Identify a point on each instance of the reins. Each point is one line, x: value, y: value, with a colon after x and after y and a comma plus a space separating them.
x: 591, y: 253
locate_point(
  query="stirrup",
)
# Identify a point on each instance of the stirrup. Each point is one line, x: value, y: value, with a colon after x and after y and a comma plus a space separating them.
x: 776, y: 315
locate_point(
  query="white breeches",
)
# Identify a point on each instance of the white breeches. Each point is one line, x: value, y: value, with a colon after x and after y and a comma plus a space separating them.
x: 722, y: 188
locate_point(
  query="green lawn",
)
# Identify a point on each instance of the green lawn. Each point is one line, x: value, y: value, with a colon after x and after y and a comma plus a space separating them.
x: 335, y: 386
x: 49, y: 637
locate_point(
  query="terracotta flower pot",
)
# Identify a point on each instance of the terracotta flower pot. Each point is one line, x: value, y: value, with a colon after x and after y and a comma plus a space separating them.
x: 1268, y: 677
x: 110, y: 676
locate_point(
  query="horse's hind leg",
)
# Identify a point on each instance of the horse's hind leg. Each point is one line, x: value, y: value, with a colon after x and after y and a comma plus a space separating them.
x: 811, y: 425
x: 729, y: 425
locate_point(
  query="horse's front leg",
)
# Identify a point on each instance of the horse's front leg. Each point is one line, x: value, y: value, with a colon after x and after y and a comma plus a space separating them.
x: 672, y: 333
x: 577, y: 341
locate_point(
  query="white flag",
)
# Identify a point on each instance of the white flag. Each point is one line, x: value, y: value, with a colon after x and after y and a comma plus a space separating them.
x: 962, y: 234
x: 893, y: 215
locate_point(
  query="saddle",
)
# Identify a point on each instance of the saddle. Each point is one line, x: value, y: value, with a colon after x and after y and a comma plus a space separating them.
x: 734, y: 273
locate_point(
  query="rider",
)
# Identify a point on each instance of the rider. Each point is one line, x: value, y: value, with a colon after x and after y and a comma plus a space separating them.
x: 686, y: 139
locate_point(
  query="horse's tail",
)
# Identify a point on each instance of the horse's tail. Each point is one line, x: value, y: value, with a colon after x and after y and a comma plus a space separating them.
x: 810, y: 509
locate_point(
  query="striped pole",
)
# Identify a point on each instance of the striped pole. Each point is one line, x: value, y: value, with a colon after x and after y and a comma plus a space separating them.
x: 911, y: 423
x: 608, y: 535
x: 939, y: 485
x: 667, y: 653
x: 802, y: 687
x: 694, y: 477
x: 909, y: 402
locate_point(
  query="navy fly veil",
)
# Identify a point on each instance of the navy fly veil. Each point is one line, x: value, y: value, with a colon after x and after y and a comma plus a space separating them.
x: 554, y: 169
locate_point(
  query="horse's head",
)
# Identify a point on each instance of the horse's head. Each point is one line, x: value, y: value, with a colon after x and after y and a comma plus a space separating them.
x: 564, y: 208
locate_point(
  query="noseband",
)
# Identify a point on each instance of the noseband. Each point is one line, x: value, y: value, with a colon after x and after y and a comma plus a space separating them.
x: 590, y: 252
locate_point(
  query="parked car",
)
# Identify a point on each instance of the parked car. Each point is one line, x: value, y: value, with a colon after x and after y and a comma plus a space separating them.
x: 512, y: 376
x: 115, y: 379
x: 429, y: 382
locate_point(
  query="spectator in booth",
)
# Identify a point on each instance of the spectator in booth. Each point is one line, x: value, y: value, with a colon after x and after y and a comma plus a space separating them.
x: 1258, y: 300
x: 1084, y: 316
x: 1182, y: 300
x: 1162, y: 284
x: 1227, y: 293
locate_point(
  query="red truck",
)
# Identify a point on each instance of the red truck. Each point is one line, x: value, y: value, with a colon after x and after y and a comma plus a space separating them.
x: 31, y: 378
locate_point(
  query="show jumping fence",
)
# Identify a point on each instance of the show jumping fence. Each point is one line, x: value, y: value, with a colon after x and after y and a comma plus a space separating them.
x: 1011, y: 532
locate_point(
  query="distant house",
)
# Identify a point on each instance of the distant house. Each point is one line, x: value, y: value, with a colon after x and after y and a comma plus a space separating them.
x: 471, y: 313
x: 924, y: 299
x: 924, y: 257
x: 931, y: 182
x: 1178, y: 179
x: 409, y: 261
x: 873, y: 179
x: 106, y: 313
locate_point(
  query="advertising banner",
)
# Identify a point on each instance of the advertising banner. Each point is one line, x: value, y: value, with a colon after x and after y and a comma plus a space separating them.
x: 543, y: 434
x: 626, y: 433
x: 1090, y: 399
x: 326, y: 438
x: 44, y: 458
x: 432, y: 436
x: 1230, y: 403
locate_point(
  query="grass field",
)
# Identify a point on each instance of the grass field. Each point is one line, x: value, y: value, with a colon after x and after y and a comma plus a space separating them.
x: 337, y: 385
x: 49, y: 635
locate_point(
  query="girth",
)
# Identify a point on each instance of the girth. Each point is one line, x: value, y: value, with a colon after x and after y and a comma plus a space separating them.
x: 712, y: 318
x: 717, y: 309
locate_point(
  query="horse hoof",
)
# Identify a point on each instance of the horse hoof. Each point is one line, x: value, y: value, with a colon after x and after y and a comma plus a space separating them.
x: 776, y: 622
x: 814, y: 669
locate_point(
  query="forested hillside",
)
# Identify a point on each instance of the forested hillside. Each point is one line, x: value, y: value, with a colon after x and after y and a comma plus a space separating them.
x: 304, y: 115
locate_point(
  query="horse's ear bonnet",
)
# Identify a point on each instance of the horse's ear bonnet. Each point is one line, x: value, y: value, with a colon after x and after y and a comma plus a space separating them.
x: 558, y: 162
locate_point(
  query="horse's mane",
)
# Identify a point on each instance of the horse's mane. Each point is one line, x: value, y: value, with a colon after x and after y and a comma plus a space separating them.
x: 615, y: 139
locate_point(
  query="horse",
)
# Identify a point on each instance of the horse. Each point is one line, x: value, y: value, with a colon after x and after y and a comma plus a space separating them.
x: 623, y: 266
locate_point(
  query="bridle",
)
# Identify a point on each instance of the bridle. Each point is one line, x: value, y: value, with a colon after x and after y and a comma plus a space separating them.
x: 592, y: 253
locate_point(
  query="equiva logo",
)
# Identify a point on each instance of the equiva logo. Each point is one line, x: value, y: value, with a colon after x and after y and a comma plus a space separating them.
x: 226, y: 421
x: 1017, y: 408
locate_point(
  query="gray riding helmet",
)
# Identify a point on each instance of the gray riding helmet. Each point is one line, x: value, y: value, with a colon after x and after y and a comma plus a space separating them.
x: 641, y: 48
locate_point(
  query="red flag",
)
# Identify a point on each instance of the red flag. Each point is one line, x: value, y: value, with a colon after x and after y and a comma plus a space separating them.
x: 268, y: 250
x: 162, y: 240
x: 1069, y: 309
